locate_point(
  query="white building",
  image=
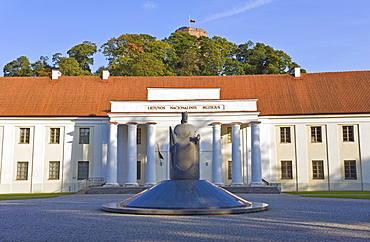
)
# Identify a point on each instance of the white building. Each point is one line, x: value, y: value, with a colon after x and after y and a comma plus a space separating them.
x: 303, y: 131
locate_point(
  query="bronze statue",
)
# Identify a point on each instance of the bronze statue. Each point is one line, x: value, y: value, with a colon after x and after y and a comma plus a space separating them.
x: 184, y: 151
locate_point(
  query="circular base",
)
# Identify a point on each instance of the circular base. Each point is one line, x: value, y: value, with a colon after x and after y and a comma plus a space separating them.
x: 254, y: 207
x: 185, y: 197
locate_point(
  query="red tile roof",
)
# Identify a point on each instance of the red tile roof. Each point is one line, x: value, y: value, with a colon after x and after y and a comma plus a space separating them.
x: 313, y: 93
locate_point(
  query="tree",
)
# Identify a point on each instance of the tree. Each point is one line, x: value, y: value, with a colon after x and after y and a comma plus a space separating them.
x: 219, y: 57
x: 180, y: 54
x: 263, y: 59
x: 56, y: 59
x: 83, y: 53
x: 41, y: 67
x: 70, y: 67
x: 19, y: 67
x: 183, y: 58
x: 147, y: 65
x: 202, y: 56
x: 126, y: 52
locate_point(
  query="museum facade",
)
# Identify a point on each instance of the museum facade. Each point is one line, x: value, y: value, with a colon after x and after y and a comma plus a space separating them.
x: 302, y: 132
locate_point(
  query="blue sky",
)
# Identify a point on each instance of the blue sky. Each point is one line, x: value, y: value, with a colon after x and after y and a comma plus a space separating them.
x: 320, y: 35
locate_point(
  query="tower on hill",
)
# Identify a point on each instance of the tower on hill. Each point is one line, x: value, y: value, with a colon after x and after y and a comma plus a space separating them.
x: 192, y: 31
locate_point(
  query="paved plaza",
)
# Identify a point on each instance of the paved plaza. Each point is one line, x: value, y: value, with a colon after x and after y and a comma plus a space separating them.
x: 289, y: 218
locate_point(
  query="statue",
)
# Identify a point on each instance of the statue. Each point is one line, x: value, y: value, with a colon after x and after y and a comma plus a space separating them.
x: 184, y: 151
x: 184, y: 194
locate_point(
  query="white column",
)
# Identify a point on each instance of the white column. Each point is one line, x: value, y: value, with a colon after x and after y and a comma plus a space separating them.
x: 112, y: 156
x: 256, y: 155
x: 216, y: 155
x: 131, y: 176
x: 150, y: 169
x: 237, y: 173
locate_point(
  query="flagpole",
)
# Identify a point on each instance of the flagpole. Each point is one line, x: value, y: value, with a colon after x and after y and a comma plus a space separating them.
x: 189, y: 22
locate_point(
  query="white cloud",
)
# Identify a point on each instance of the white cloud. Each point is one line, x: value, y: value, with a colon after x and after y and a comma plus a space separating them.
x: 237, y: 10
x: 149, y: 4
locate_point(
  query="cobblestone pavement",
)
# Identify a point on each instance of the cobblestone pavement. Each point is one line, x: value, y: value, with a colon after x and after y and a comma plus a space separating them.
x: 289, y: 218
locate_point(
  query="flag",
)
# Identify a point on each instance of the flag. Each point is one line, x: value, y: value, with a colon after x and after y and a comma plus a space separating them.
x: 192, y: 21
x: 160, y: 156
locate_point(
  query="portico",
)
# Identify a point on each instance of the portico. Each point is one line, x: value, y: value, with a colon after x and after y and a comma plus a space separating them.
x: 139, y: 134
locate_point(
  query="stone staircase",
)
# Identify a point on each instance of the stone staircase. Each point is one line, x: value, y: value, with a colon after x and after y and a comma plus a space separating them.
x: 134, y: 190
x: 253, y: 190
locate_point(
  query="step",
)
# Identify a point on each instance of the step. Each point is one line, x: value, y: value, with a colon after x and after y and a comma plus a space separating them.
x: 254, y: 190
x: 134, y: 190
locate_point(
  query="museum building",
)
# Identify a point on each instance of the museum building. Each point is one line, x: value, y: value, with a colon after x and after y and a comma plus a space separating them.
x: 303, y: 132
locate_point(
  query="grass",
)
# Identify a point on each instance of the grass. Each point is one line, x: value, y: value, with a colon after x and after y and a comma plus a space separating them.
x: 22, y: 196
x: 334, y: 194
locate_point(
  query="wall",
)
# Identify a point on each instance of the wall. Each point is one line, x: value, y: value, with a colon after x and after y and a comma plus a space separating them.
x: 333, y: 151
x: 39, y: 152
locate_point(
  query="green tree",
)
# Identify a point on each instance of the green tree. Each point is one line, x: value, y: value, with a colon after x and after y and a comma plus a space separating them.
x: 263, y: 59
x: 19, y: 67
x: 202, y: 56
x: 42, y: 67
x: 147, y: 65
x: 183, y: 58
x: 55, y: 59
x: 219, y: 57
x: 70, y: 67
x: 83, y: 53
x: 180, y: 54
x: 125, y: 53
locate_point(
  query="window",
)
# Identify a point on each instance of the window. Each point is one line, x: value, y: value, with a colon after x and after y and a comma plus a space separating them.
x: 22, y: 170
x: 54, y: 167
x: 54, y: 135
x: 229, y: 170
x: 286, y: 169
x: 83, y: 170
x: 138, y: 170
x: 316, y: 136
x: 229, y: 135
x: 285, y: 135
x: 350, y: 170
x: 348, y: 134
x: 317, y: 169
x: 84, y: 135
x: 138, y: 136
x: 24, y: 136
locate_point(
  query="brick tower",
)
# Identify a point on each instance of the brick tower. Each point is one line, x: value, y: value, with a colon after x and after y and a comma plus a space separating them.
x: 192, y: 31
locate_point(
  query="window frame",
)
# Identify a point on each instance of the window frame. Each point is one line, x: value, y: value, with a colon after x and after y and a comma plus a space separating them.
x: 84, y: 135
x: 316, y: 134
x: 79, y: 171
x: 286, y: 171
x: 285, y: 135
x: 350, y: 172
x: 54, y: 171
x: 54, y: 135
x: 348, y: 133
x: 22, y: 171
x: 318, y: 170
x: 24, y: 135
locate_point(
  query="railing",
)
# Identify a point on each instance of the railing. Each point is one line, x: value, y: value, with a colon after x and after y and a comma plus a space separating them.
x: 271, y: 184
x: 90, y: 182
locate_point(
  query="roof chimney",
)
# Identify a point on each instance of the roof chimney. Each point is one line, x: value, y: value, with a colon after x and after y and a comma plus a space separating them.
x: 296, y: 71
x: 55, y: 74
x: 105, y: 74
